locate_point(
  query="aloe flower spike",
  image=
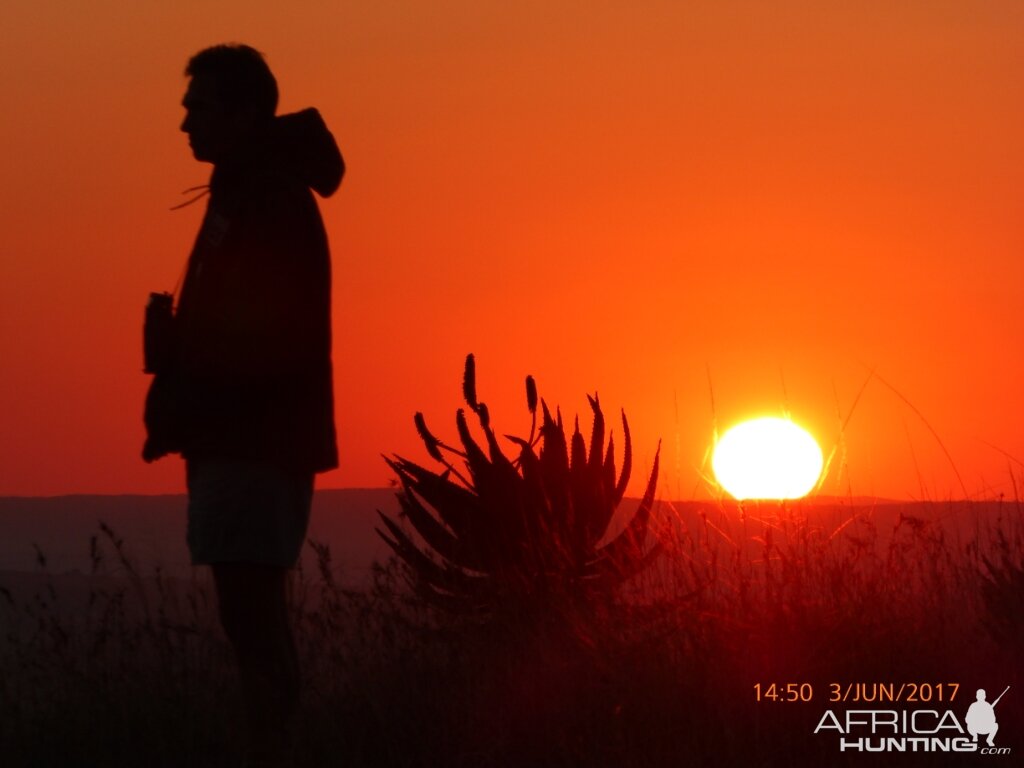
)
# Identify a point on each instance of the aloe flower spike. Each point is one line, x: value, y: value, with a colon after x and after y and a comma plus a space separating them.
x: 531, y: 403
x: 469, y: 381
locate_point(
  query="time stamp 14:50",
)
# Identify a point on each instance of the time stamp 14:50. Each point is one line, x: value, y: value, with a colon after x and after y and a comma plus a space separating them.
x: 921, y: 693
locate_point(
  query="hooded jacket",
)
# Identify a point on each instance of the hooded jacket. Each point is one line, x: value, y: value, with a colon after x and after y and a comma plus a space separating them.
x: 252, y: 377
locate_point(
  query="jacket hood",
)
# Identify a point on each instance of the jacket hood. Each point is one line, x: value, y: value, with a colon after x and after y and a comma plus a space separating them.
x: 302, y: 144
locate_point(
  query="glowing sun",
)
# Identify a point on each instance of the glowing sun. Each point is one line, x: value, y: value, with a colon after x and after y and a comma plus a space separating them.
x: 767, y: 458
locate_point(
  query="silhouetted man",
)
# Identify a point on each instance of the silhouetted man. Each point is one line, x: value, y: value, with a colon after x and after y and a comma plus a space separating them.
x: 248, y: 397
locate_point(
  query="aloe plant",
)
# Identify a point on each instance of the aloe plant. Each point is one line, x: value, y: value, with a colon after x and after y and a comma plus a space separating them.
x: 501, y: 532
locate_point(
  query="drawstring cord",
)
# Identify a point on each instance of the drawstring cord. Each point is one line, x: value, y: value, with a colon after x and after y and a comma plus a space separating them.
x: 200, y: 196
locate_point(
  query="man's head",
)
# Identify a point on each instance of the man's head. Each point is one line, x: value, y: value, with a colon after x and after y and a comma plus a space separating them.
x: 231, y: 92
x: 980, y: 695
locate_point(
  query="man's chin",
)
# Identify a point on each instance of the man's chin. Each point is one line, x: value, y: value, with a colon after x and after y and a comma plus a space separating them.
x: 200, y: 154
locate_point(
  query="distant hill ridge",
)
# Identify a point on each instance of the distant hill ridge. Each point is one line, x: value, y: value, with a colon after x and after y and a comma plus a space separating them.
x: 153, y: 528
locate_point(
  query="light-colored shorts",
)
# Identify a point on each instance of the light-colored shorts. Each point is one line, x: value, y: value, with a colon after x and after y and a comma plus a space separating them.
x: 246, y: 511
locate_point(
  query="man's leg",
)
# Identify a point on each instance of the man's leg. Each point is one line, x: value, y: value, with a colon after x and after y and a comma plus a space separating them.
x: 252, y: 600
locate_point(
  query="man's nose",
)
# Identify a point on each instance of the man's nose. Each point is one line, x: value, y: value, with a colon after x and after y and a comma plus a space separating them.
x: 185, y: 123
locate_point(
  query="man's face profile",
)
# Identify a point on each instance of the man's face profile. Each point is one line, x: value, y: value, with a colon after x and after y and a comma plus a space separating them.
x: 212, y: 128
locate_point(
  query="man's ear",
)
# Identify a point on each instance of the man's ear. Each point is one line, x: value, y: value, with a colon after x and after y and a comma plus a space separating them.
x: 245, y: 118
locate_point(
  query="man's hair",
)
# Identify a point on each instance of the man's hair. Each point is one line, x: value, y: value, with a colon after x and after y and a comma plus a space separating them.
x: 244, y: 80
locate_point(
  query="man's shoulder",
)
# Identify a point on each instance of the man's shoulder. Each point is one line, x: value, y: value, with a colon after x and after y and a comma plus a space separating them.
x: 261, y: 192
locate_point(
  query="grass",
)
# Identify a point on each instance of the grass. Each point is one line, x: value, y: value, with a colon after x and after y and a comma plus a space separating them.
x: 137, y: 672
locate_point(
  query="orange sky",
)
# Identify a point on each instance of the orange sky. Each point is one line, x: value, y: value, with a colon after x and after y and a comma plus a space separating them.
x: 610, y: 196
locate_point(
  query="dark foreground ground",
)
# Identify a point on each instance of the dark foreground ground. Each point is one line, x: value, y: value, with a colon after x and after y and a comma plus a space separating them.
x: 754, y: 625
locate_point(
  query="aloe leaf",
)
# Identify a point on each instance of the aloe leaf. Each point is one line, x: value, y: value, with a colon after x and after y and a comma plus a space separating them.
x: 627, y: 463
x: 455, y: 505
x: 437, y: 537
x: 475, y: 457
x: 537, y: 511
x: 523, y: 444
x: 446, y: 578
x: 500, y: 461
x: 608, y: 469
x: 578, y: 456
x: 554, y: 453
x: 599, y: 496
x: 501, y: 537
x: 628, y: 545
x: 591, y: 510
x: 596, y: 434
x: 554, y: 465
